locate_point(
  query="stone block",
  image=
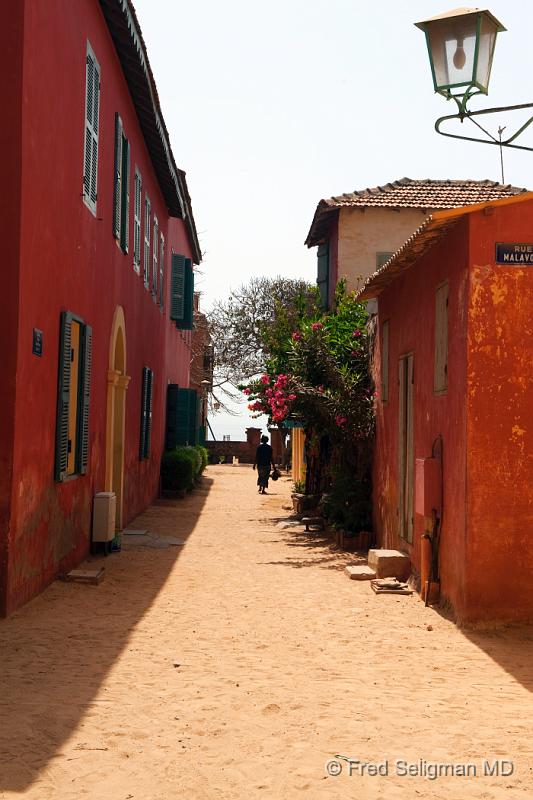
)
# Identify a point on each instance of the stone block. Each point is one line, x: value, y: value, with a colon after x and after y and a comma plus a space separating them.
x: 389, y: 564
x: 360, y: 573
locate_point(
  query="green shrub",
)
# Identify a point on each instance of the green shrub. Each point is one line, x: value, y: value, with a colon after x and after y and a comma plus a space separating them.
x: 349, y: 503
x: 179, y: 468
x: 204, y: 455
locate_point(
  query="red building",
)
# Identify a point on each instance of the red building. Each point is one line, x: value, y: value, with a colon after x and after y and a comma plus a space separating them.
x: 96, y: 309
x: 454, y: 439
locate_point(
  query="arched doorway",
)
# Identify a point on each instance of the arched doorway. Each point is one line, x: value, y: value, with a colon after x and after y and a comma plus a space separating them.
x: 117, y: 384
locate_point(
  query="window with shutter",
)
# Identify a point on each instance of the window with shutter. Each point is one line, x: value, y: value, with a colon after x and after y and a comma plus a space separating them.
x: 177, y: 287
x: 84, y: 395
x: 92, y: 118
x: 322, y: 277
x: 72, y: 427
x: 146, y: 413
x: 161, y: 271
x: 155, y: 265
x: 147, y: 226
x: 182, y: 417
x: 194, y: 417
x: 137, y: 222
x: 186, y: 321
x: 441, y: 339
x: 121, y: 189
x: 125, y: 203
x: 117, y: 190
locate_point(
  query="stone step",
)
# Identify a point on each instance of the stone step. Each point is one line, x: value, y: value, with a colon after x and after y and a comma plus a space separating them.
x: 316, y: 522
x: 360, y: 573
x: 389, y: 563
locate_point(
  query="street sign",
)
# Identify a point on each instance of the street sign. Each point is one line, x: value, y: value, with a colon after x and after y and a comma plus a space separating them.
x: 517, y: 255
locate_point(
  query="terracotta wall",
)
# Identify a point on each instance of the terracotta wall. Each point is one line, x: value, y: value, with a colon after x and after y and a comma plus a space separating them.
x: 70, y: 261
x: 500, y: 422
x: 409, y: 305
x: 11, y: 38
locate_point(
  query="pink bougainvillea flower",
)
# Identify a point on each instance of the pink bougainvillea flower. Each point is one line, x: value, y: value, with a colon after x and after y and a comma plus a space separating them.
x: 316, y: 326
x: 265, y: 379
x: 246, y: 391
x: 296, y: 336
x: 292, y: 397
x: 357, y: 332
x: 340, y: 420
x: 269, y: 392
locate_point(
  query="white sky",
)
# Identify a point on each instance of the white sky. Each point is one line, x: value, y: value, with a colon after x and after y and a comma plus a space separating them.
x: 271, y: 107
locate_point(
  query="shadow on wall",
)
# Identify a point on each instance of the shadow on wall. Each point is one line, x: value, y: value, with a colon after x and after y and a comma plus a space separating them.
x: 58, y: 649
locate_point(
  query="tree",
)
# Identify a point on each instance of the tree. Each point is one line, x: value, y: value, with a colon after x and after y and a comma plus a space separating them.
x: 318, y: 374
x: 318, y: 370
x: 239, y: 326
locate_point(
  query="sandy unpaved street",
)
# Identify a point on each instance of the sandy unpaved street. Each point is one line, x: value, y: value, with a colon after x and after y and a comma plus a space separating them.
x: 283, y: 663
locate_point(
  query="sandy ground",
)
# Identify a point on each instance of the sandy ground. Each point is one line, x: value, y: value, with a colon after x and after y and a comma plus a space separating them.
x: 283, y: 663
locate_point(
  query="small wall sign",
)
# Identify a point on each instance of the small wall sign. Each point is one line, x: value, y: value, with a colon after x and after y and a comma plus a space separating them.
x: 514, y: 254
x: 37, y: 347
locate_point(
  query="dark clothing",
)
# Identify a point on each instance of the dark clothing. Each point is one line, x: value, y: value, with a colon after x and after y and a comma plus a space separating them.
x: 263, y: 474
x: 263, y: 456
x: 263, y: 460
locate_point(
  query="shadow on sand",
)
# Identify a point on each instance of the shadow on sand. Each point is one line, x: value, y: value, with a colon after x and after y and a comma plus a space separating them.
x: 315, y: 550
x: 50, y: 672
x: 509, y: 646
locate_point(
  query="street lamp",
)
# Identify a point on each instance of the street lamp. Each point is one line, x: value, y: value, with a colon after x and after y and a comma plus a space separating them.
x: 461, y: 48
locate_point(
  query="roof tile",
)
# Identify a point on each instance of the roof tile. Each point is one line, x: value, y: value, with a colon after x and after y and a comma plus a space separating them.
x: 408, y: 193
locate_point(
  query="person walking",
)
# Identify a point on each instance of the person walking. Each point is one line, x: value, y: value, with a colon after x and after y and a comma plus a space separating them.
x: 263, y: 460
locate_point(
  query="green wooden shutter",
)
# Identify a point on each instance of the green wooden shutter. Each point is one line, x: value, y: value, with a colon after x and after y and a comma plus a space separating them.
x: 186, y: 323
x: 177, y: 287
x: 96, y: 117
x: 117, y: 194
x: 155, y: 257
x: 202, y: 435
x: 89, y: 115
x: 147, y: 224
x: 171, y: 440
x: 183, y: 416
x: 63, y: 397
x: 84, y: 398
x: 125, y: 200
x: 322, y: 278
x: 92, y: 113
x: 137, y: 221
x: 193, y: 417
x: 149, y: 393
x: 144, y: 412
x: 162, y: 272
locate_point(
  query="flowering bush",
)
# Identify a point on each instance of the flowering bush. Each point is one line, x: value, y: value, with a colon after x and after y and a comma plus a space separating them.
x: 317, y: 373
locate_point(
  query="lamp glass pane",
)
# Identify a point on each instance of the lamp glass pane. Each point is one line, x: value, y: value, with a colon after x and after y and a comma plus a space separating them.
x: 453, y: 46
x: 487, y: 42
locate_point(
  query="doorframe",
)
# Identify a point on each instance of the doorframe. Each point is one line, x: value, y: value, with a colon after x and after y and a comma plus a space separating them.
x: 406, y: 459
x: 117, y: 385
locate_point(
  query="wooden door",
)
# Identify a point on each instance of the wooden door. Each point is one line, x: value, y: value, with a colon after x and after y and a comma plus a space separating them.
x: 406, y: 448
